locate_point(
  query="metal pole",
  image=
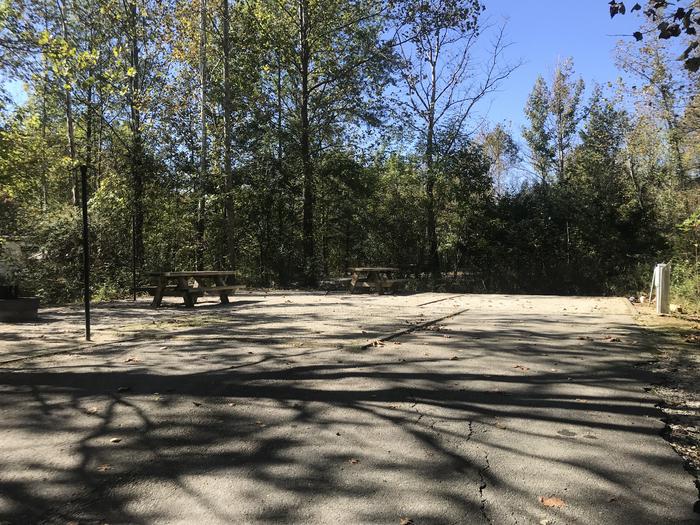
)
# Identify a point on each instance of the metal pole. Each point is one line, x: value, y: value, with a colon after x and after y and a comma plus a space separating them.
x: 133, y: 253
x: 86, y: 250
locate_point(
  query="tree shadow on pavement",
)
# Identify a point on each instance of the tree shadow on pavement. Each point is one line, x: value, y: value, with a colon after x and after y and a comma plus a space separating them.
x: 260, y: 431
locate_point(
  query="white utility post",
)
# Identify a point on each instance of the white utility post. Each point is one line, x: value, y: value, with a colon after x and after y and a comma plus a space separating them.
x: 662, y: 277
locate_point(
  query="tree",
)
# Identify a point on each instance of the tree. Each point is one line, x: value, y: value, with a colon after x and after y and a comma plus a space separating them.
x: 503, y: 153
x: 204, y: 137
x: 554, y: 115
x: 663, y: 89
x: 669, y: 20
x: 436, y: 41
x: 564, y: 109
x: 538, y: 135
x: 227, y: 109
x: 335, y: 64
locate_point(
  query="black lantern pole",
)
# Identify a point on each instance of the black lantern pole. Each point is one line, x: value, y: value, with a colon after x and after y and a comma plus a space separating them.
x: 86, y: 250
x: 133, y: 252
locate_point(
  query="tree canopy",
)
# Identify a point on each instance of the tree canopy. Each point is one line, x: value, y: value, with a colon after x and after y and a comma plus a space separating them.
x: 291, y: 139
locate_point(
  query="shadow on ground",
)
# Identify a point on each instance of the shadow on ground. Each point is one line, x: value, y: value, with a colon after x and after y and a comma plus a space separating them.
x: 234, y: 423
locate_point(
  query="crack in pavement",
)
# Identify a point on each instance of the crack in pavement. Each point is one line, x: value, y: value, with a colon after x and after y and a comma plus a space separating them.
x: 414, y: 328
x: 482, y: 486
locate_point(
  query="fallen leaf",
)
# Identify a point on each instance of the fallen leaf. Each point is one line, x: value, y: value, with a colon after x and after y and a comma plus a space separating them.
x: 406, y: 521
x: 115, y: 440
x: 131, y: 360
x: 552, y: 502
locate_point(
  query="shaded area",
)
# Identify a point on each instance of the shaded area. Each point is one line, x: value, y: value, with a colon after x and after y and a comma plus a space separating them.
x: 469, y: 421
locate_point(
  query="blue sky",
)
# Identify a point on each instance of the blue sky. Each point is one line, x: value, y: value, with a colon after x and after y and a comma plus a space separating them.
x: 542, y: 32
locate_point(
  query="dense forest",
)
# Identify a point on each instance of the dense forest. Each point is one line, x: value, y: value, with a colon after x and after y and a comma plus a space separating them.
x: 290, y: 139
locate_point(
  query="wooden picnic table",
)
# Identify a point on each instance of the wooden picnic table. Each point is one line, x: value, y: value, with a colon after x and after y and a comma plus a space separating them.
x: 375, y: 278
x: 179, y: 284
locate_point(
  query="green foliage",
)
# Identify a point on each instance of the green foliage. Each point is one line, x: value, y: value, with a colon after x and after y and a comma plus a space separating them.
x: 310, y: 141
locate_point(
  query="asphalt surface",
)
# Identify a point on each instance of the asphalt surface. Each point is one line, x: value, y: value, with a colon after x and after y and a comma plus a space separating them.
x: 519, y: 409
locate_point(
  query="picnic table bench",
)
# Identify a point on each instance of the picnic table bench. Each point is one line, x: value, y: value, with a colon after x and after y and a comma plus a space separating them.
x: 178, y: 284
x: 378, y: 279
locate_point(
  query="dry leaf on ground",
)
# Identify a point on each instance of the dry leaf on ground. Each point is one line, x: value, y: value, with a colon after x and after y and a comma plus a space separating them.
x: 552, y: 502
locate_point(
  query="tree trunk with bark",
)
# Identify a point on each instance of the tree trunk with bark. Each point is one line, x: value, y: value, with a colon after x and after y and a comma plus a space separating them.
x: 309, y: 251
x: 229, y: 204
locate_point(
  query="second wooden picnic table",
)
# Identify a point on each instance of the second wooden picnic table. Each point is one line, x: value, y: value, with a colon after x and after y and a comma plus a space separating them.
x: 375, y: 278
x: 179, y: 284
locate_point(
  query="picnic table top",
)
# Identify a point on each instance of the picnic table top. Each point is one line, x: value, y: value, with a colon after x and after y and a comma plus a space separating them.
x: 205, y: 273
x: 372, y: 269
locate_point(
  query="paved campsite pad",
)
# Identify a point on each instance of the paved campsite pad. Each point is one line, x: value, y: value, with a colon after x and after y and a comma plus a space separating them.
x: 521, y: 409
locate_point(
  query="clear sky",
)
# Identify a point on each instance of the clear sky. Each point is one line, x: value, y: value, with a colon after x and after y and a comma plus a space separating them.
x: 542, y: 32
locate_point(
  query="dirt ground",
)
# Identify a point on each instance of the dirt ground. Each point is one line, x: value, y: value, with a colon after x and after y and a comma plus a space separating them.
x: 330, y: 408
x: 675, y: 343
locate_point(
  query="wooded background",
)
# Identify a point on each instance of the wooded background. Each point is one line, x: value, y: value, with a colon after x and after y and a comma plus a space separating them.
x: 290, y: 139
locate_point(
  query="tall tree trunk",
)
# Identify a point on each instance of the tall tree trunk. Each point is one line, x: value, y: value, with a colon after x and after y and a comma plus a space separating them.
x: 229, y: 204
x: 137, y: 175
x: 282, y: 252
x: 561, y: 157
x: 44, y: 145
x: 310, y: 273
x: 203, y: 157
x: 430, y: 179
x: 70, y: 127
x: 44, y: 118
